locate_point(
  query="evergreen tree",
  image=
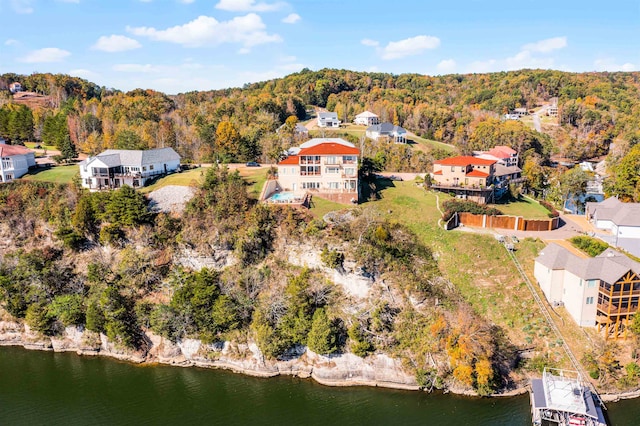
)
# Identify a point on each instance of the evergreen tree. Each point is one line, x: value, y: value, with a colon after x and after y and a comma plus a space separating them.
x: 321, y: 338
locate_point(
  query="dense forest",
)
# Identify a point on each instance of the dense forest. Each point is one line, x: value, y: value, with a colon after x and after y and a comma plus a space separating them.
x: 599, y: 114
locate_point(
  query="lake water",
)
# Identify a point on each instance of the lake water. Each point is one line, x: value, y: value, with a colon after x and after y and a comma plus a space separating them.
x: 38, y: 388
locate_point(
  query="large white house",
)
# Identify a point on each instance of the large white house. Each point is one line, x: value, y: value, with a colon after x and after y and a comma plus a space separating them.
x: 601, y: 291
x: 117, y: 167
x: 367, y: 118
x: 15, y: 87
x: 324, y: 166
x: 502, y: 154
x: 15, y: 161
x: 620, y: 220
x: 387, y: 131
x: 328, y: 119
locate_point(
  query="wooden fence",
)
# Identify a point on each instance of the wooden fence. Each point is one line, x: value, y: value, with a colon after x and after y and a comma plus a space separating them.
x: 516, y: 223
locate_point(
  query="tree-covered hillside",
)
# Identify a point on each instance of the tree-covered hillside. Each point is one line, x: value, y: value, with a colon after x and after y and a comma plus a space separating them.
x: 597, y: 111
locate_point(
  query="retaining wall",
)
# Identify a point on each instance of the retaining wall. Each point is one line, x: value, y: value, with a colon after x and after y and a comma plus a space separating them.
x: 516, y: 223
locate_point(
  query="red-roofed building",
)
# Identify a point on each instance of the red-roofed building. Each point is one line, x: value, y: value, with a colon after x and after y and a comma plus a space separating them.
x: 15, y: 161
x: 502, y: 154
x: 322, y: 166
x: 466, y: 177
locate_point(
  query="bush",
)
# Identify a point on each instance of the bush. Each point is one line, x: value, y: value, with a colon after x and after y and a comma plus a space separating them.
x: 460, y: 206
x: 332, y: 258
x: 70, y: 238
x: 111, y: 234
x: 589, y: 245
x: 552, y: 210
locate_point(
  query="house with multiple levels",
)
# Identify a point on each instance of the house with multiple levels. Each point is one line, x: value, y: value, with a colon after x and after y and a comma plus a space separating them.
x: 620, y: 221
x: 601, y: 291
x: 465, y: 177
x: 15, y: 161
x: 299, y: 131
x: 387, y: 131
x: 502, y: 154
x: 367, y: 118
x: 327, y: 167
x: 114, y: 168
x: 328, y: 119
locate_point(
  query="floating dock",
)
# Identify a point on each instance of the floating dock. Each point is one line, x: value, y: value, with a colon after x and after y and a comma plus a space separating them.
x: 562, y: 398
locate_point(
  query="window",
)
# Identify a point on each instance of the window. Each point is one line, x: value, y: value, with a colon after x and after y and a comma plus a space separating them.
x: 310, y: 185
x: 349, y: 159
x: 151, y: 167
x: 349, y: 171
x: 591, y: 283
x: 334, y: 185
x: 453, y: 169
x: 310, y: 170
x: 589, y: 300
x: 106, y: 181
x: 136, y: 183
x: 283, y: 171
x: 331, y: 160
x: 8, y: 177
x: 144, y: 168
x: 293, y: 170
x: 332, y: 170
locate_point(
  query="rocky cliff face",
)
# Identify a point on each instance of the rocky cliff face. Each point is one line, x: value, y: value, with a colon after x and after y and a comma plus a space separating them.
x: 335, y: 370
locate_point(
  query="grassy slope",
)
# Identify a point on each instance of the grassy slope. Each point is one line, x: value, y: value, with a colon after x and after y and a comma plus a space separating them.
x: 56, y: 174
x: 524, y: 207
x: 186, y: 178
x: 476, y: 263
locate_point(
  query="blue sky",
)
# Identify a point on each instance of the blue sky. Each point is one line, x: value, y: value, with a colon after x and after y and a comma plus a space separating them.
x: 181, y: 45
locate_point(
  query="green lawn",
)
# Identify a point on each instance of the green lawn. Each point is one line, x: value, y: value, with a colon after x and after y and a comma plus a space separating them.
x: 55, y: 174
x: 255, y: 178
x: 320, y: 206
x: 185, y: 178
x: 525, y: 207
x: 31, y: 145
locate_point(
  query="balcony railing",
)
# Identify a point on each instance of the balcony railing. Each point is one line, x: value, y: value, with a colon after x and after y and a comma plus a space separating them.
x: 303, y: 173
x: 461, y: 186
x: 303, y: 161
x: 623, y: 310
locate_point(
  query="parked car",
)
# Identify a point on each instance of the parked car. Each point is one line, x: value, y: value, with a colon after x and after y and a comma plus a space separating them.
x: 253, y: 164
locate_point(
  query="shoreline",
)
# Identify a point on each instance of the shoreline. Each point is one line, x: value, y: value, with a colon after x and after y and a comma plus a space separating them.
x: 343, y: 370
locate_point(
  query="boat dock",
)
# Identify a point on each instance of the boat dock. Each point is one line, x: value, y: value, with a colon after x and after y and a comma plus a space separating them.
x: 563, y: 398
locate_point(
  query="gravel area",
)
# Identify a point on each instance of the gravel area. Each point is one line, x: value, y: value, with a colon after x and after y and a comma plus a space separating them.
x: 170, y: 198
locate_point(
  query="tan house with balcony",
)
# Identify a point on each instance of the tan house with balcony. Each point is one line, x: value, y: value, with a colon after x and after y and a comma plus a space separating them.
x: 601, y: 291
x: 465, y: 177
x: 114, y: 168
x: 327, y: 167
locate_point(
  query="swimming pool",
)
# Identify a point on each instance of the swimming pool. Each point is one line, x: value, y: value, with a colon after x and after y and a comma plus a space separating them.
x: 283, y: 197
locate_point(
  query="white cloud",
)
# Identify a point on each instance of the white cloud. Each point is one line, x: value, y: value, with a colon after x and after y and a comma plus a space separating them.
x: 248, y: 6
x: 21, y: 6
x: 84, y: 73
x: 546, y: 45
x: 609, y: 64
x: 137, y: 68
x: 48, y: 54
x: 291, y: 18
x: 11, y: 42
x: 483, y: 66
x: 409, y: 47
x: 247, y: 30
x: 524, y: 59
x: 369, y: 42
x: 116, y: 43
x: 244, y: 51
x: 446, y: 66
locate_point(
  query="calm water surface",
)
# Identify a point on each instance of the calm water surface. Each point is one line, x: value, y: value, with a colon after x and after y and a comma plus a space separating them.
x: 38, y: 388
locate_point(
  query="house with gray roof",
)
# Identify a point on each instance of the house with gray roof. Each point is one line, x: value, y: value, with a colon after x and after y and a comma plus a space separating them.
x: 387, y: 131
x: 328, y: 119
x: 114, y: 168
x: 620, y: 221
x: 601, y: 291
